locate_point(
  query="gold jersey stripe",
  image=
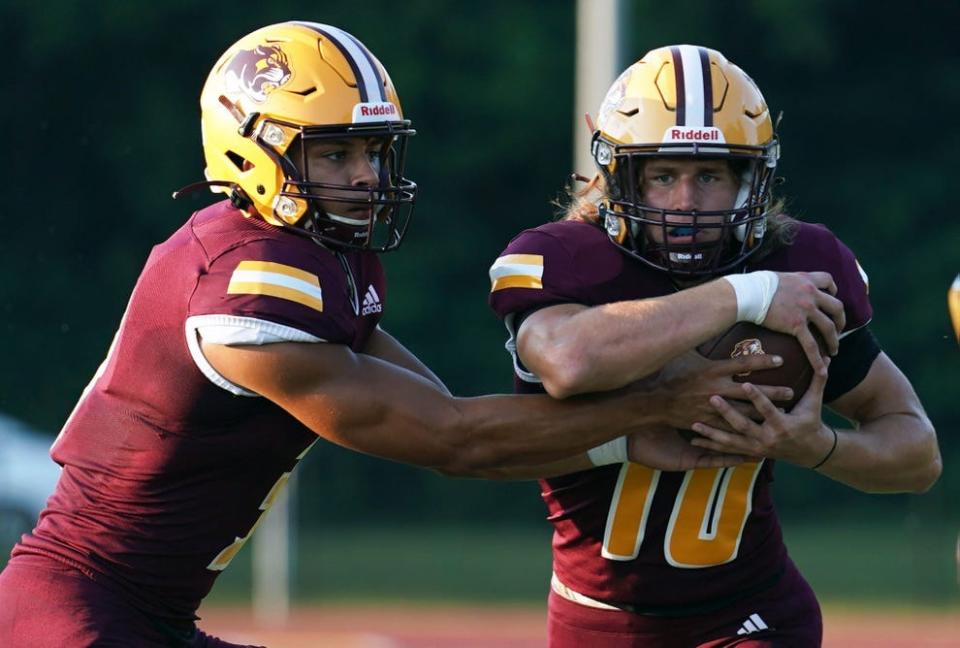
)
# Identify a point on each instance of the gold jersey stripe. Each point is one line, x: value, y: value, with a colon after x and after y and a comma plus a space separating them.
x: 273, y: 290
x: 516, y: 281
x: 277, y: 280
x: 279, y: 268
x: 517, y: 271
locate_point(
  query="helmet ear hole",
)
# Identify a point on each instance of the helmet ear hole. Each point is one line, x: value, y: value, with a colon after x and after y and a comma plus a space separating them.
x: 238, y: 161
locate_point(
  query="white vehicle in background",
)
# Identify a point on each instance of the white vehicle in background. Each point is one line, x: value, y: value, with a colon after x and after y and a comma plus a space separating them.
x: 27, y: 478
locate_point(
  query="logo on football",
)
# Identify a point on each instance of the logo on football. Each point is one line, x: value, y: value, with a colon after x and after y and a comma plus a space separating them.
x: 745, y: 339
x: 748, y: 347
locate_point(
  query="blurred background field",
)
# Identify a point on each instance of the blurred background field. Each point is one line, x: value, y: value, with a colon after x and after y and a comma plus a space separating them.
x: 101, y: 123
x: 852, y: 564
x: 882, y: 584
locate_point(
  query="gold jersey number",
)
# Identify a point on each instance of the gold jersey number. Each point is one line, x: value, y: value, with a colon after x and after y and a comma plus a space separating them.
x: 223, y: 559
x: 709, y: 514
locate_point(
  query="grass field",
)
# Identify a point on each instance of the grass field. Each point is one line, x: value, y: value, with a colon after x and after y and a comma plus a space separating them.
x: 879, y: 564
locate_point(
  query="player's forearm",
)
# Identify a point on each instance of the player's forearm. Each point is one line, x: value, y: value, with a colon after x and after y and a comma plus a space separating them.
x: 501, y: 432
x: 609, y: 346
x: 896, y: 453
x: 391, y: 413
x: 376, y: 407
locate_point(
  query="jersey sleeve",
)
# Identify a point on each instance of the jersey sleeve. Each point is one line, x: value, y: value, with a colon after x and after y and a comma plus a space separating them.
x: 853, y: 288
x: 536, y: 270
x: 858, y: 347
x: 278, y: 288
x: 817, y: 248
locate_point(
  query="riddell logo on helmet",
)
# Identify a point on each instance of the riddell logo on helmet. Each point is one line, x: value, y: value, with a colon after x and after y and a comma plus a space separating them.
x: 386, y: 109
x: 689, y: 134
x: 368, y: 112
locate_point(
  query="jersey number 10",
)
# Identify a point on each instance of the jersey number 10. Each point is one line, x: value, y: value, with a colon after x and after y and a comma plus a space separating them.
x: 707, y: 522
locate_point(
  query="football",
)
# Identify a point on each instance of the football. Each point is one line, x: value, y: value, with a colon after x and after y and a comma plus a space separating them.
x: 745, y: 338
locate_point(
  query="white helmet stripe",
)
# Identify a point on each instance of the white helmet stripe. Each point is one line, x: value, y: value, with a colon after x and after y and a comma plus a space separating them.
x: 380, y: 94
x: 369, y: 81
x: 695, y: 88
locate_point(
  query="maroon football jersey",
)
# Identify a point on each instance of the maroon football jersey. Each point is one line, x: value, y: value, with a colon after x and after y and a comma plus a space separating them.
x: 626, y: 533
x: 167, y: 467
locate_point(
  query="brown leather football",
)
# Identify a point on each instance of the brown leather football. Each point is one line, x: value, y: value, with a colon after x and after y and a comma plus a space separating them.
x: 745, y: 338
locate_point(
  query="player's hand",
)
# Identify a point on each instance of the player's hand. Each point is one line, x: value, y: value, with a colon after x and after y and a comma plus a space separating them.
x: 798, y: 436
x: 665, y: 449
x: 684, y: 386
x: 802, y: 300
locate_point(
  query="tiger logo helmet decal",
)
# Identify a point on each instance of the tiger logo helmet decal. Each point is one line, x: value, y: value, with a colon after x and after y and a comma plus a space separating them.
x: 258, y: 72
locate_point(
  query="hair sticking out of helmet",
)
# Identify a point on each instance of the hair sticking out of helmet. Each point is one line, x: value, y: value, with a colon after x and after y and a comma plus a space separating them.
x: 685, y: 102
x: 290, y: 86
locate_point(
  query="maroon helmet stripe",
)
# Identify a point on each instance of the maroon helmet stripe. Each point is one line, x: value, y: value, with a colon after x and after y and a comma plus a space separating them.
x: 681, y: 92
x: 707, y: 88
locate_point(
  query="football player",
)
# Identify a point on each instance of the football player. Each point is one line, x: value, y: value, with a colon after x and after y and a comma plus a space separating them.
x: 642, y: 269
x: 252, y: 332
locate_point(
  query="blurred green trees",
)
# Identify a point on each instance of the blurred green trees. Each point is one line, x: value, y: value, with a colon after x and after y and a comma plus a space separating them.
x: 100, y: 123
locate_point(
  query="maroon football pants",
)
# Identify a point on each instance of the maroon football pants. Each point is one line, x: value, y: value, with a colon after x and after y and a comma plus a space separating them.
x: 785, y: 616
x: 44, y: 604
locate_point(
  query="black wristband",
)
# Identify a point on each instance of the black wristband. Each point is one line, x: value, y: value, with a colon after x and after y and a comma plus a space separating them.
x: 832, y: 448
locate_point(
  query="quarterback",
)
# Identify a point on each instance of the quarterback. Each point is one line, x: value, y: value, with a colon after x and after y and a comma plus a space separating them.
x: 679, y: 211
x: 252, y: 332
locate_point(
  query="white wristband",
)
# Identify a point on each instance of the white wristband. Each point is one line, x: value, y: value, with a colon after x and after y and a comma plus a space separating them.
x: 611, y: 452
x: 755, y: 291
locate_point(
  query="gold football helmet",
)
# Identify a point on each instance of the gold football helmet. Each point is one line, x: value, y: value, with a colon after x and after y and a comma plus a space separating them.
x: 288, y: 84
x: 685, y: 101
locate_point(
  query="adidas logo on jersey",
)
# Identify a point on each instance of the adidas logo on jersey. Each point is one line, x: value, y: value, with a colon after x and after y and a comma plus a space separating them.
x: 751, y: 625
x: 371, y: 302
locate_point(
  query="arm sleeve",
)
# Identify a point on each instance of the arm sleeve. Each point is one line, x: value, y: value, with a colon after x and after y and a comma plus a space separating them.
x: 858, y: 350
